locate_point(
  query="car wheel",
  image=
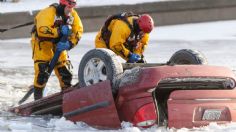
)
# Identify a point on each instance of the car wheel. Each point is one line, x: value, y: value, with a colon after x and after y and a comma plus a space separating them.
x: 98, y: 65
x: 188, y: 56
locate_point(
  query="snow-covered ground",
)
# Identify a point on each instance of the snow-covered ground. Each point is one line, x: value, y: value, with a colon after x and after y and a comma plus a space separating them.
x: 215, y: 39
x: 30, y: 5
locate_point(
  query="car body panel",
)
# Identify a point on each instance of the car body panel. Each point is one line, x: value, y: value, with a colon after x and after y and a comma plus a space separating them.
x: 151, y: 76
x: 89, y: 96
x: 129, y: 107
x: 43, y: 106
x: 195, y: 108
x: 97, y: 106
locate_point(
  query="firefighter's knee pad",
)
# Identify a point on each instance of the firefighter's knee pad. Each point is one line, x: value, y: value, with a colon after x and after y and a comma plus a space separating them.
x: 66, y: 75
x: 43, y: 73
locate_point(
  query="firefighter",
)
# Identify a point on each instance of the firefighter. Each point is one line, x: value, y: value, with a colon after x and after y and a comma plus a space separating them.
x: 127, y: 35
x: 51, y: 24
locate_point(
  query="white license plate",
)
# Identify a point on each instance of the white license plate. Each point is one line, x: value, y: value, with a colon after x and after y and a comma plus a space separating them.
x: 211, y: 115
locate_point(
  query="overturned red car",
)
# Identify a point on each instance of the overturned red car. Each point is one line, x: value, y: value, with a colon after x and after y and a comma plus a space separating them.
x: 184, y: 92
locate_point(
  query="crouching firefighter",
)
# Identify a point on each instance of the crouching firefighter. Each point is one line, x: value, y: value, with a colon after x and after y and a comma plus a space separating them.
x: 127, y: 35
x: 51, y: 24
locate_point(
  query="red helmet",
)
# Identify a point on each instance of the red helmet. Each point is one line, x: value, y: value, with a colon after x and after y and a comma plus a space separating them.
x: 68, y: 3
x: 146, y: 23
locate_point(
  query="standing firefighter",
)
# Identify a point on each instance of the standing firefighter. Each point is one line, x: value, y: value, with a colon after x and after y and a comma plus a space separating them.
x: 51, y: 25
x: 127, y: 35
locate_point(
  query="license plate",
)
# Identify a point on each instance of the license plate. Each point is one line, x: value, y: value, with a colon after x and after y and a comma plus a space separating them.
x: 211, y: 115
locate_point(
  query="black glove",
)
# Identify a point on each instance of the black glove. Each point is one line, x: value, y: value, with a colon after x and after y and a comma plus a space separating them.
x: 142, y: 60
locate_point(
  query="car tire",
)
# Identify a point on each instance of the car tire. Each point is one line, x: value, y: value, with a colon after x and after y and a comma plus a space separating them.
x: 98, y: 65
x: 187, y: 57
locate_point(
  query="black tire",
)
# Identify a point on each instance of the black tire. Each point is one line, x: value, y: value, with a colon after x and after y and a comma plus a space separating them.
x: 111, y: 67
x: 187, y: 57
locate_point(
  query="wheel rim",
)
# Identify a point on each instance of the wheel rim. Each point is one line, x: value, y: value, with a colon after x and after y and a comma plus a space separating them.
x: 94, y: 71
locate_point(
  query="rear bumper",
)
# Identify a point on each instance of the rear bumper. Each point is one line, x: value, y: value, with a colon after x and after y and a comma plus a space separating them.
x: 195, y: 108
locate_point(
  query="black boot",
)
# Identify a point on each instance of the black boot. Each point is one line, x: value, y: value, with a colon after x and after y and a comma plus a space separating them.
x: 38, y: 93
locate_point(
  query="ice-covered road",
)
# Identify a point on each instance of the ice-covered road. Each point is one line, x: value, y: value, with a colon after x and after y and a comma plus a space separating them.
x: 215, y: 40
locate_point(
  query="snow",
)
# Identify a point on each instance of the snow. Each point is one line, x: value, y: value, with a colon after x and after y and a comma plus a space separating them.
x: 221, y: 30
x: 214, y: 39
x: 31, y: 5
